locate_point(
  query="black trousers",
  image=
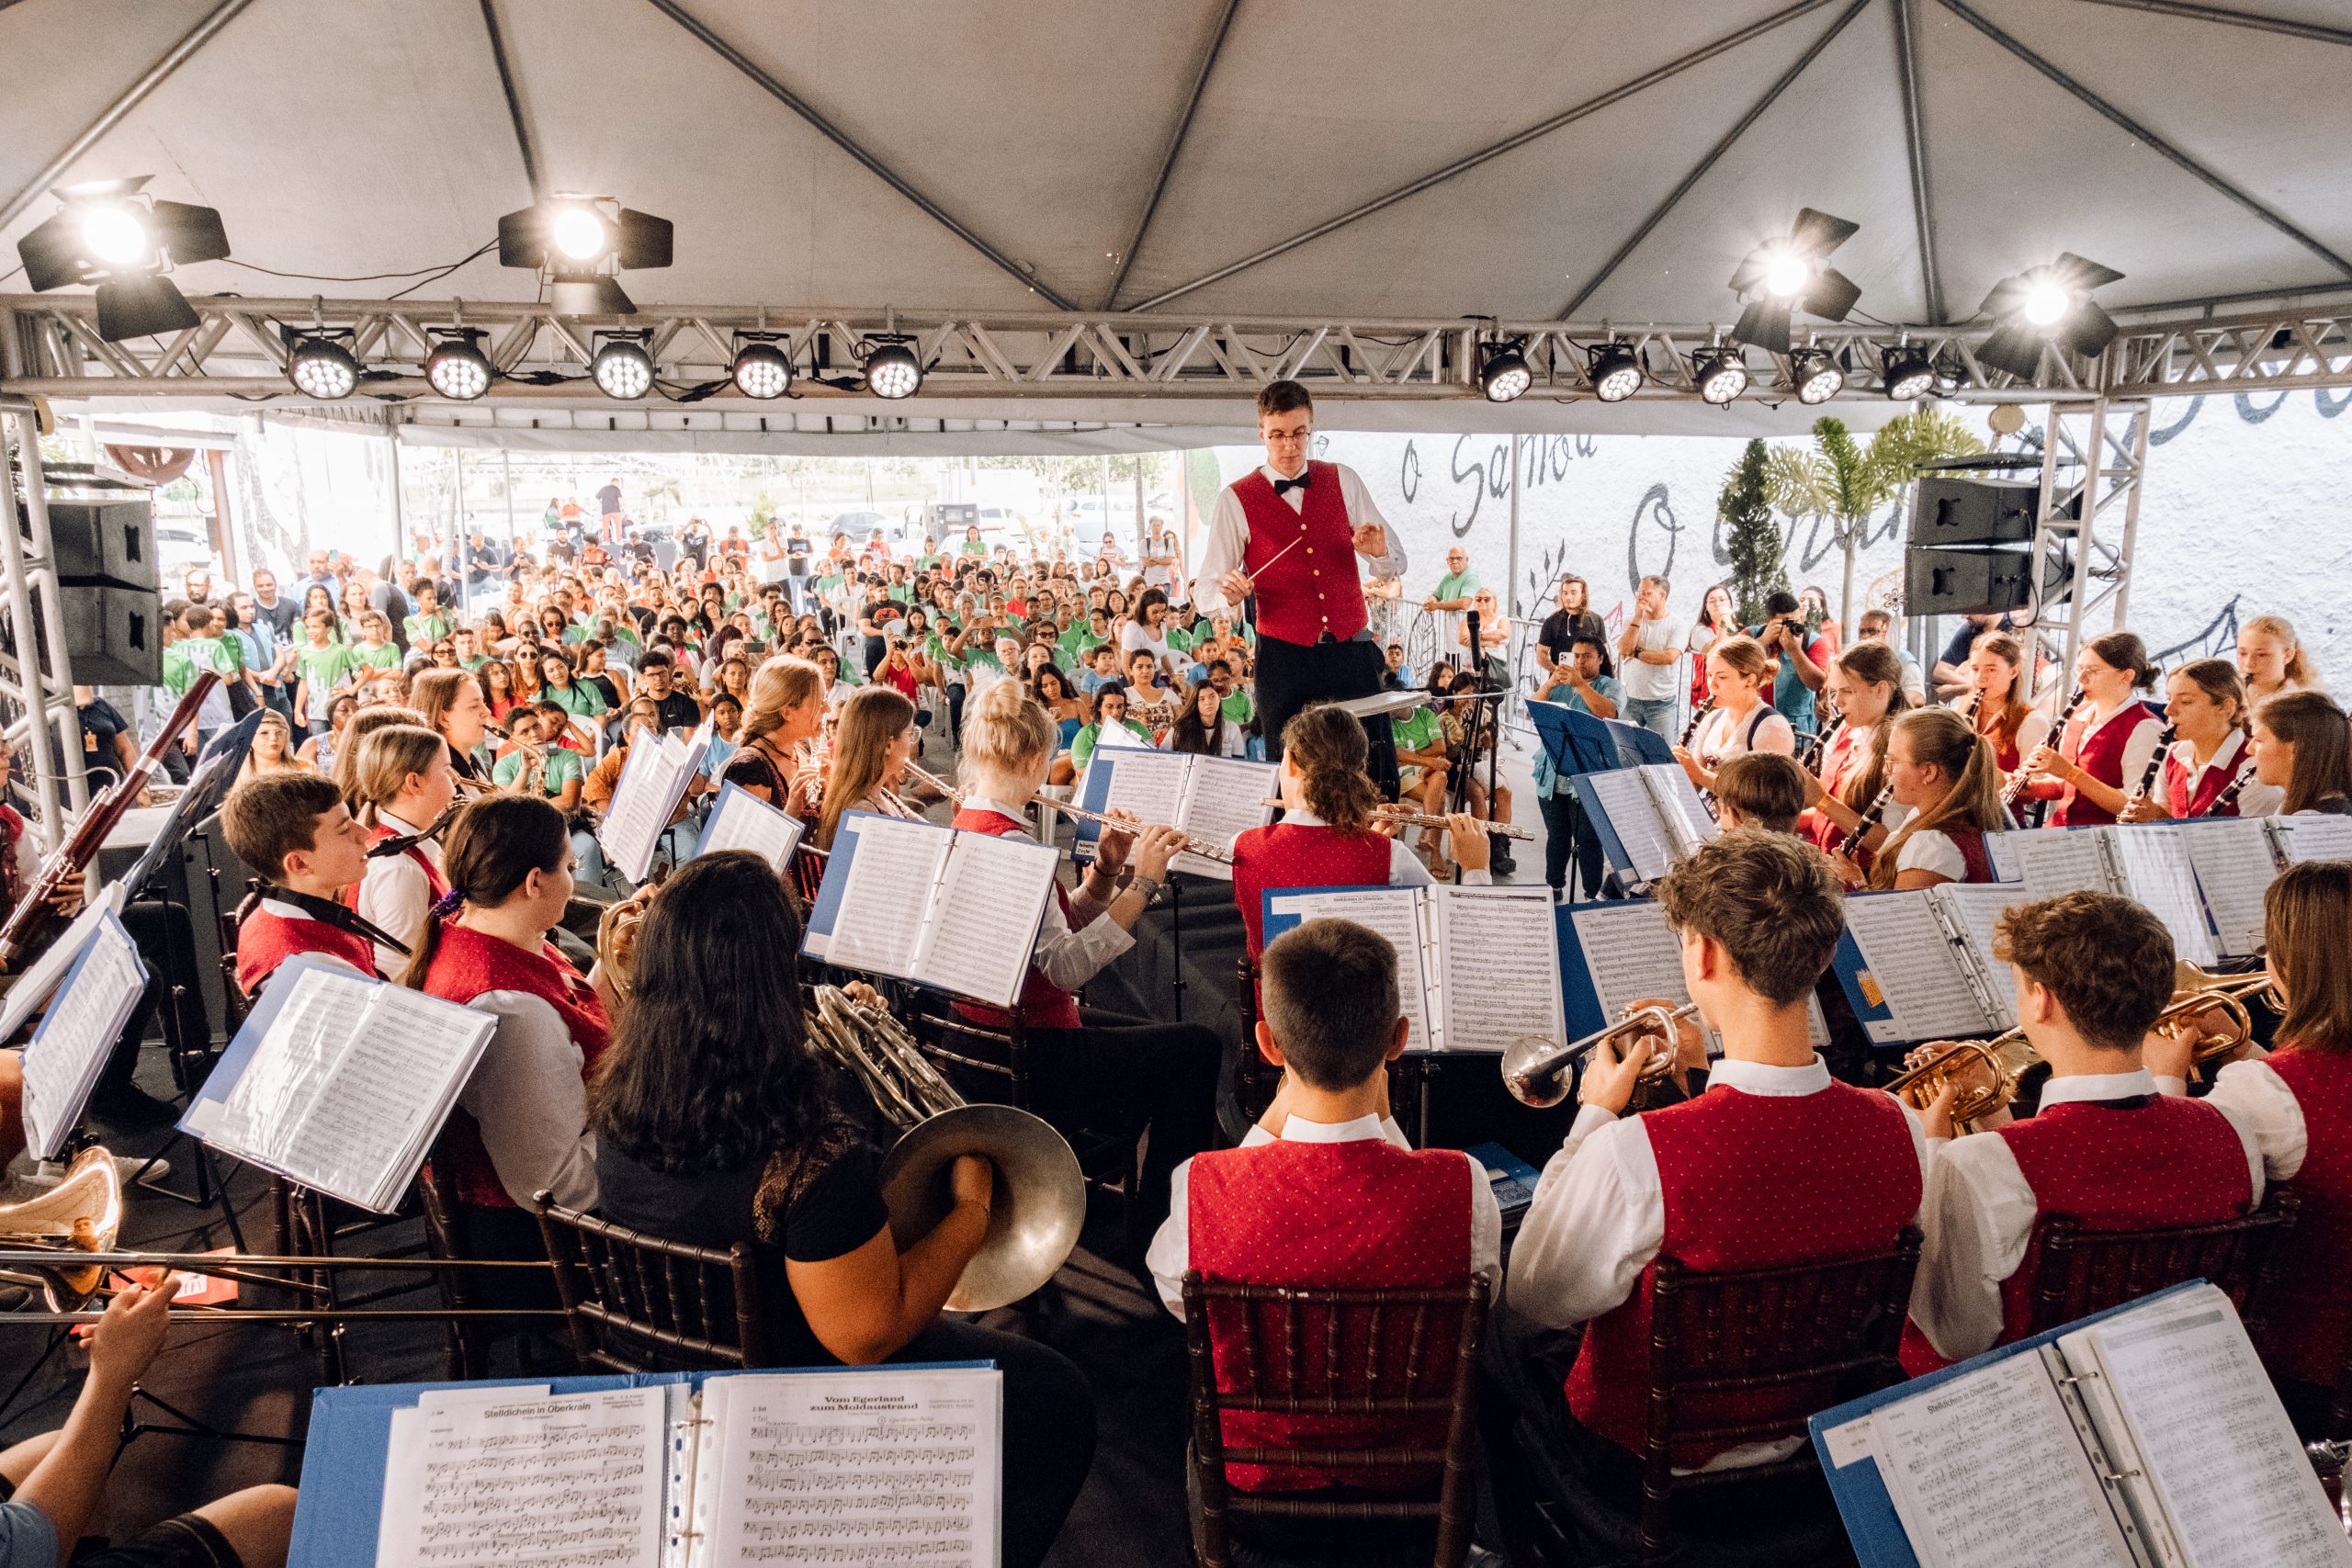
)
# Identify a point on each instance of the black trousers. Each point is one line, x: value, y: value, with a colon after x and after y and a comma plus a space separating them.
x: 1291, y: 676
x: 1565, y: 825
x: 167, y: 943
x: 1132, y: 1077
x: 1048, y: 1427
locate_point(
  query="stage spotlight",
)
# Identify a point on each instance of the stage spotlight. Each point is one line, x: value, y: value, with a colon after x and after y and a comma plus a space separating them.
x: 457, y: 368
x: 762, y: 369
x: 1791, y: 274
x: 579, y: 242
x: 1719, y: 373
x: 319, y: 366
x: 1910, y: 374
x: 1814, y: 374
x: 622, y: 368
x: 106, y: 234
x: 892, y: 368
x: 2047, y: 305
x: 1503, y: 371
x: 1614, y: 370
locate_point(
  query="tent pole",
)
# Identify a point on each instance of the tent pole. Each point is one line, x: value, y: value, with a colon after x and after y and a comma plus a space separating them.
x: 1511, y: 578
x: 1853, y: 527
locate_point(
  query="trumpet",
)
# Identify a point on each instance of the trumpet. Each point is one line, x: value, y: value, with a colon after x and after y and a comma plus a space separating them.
x: 2196, y: 993
x: 2005, y: 1057
x: 1201, y: 847
x: 1040, y: 1191
x: 1535, y: 1071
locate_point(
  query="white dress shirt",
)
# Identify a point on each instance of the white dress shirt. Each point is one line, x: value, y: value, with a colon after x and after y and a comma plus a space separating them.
x: 2257, y: 800
x: 1599, y: 1216
x: 1229, y: 535
x: 1980, y: 1214
x: 1069, y: 951
x: 2264, y: 1108
x: 530, y: 1100
x: 1171, y: 1245
x: 1929, y: 849
x: 1404, y: 867
x: 396, y: 896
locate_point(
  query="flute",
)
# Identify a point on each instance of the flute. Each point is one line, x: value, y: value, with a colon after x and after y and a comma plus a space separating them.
x: 1423, y: 819
x: 1201, y: 847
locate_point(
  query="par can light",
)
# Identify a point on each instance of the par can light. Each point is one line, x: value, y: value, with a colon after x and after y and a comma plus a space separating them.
x: 322, y: 367
x: 622, y: 369
x: 762, y: 370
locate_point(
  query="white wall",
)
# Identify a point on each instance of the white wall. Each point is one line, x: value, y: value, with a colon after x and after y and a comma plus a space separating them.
x: 2247, y: 511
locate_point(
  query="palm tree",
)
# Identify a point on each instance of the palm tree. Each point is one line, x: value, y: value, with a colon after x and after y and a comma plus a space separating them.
x: 1845, y: 482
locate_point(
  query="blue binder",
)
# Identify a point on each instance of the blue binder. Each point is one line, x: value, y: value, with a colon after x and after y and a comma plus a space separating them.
x: 1862, y: 1502
x: 342, y: 1498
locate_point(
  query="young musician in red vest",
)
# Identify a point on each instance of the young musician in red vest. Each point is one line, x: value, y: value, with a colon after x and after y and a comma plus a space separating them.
x: 401, y: 783
x: 1775, y: 1164
x: 295, y: 830
x: 2092, y: 972
x: 2297, y: 1103
x: 2205, y: 704
x: 1287, y: 534
x: 1087, y: 1064
x: 1940, y: 790
x: 2016, y: 730
x: 2104, y: 754
x: 1866, y: 683
x: 520, y: 1126
x: 1326, y: 838
x: 1324, y: 1192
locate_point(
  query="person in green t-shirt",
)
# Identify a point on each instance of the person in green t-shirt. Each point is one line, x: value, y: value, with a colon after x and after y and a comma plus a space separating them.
x: 1238, y: 707
x: 1421, y: 760
x: 1452, y: 595
x: 374, y: 649
x: 1110, y: 708
x: 320, y: 666
x: 468, y: 643
x: 557, y: 768
x: 558, y: 686
x: 431, y: 623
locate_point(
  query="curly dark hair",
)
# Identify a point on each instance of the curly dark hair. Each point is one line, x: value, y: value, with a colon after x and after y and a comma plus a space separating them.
x: 710, y: 1066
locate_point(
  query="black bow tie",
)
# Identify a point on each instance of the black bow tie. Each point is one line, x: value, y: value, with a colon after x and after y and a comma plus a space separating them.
x: 1298, y: 483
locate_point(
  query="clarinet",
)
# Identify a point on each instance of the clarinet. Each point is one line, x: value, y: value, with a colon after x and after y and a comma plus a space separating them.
x: 2014, y: 789
x: 1853, y: 840
x: 1812, y: 747
x: 2226, y: 802
x: 2156, y: 762
x: 1698, y: 716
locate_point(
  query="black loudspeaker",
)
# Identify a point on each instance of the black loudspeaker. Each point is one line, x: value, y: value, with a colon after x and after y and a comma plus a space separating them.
x: 113, y: 539
x: 1979, y: 582
x: 1973, y: 512
x: 114, y: 636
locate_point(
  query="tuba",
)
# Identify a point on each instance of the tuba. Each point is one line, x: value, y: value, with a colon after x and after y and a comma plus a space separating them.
x: 2005, y: 1057
x: 81, y: 1213
x: 1040, y: 1201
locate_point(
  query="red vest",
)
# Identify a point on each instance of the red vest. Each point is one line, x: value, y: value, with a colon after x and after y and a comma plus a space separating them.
x: 1971, y: 844
x: 433, y: 877
x: 465, y: 964
x: 1287, y: 855
x: 265, y: 940
x: 1847, y: 754
x: 2311, y: 1319
x: 1313, y: 587
x: 2181, y: 801
x: 2101, y: 754
x: 1363, y: 1214
x: 1043, y: 1005
x: 1750, y: 1181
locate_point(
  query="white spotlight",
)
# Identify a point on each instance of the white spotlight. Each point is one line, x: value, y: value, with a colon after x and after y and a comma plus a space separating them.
x: 1786, y: 275
x: 2046, y: 304
x: 622, y: 369
x: 578, y: 232
x: 114, y: 235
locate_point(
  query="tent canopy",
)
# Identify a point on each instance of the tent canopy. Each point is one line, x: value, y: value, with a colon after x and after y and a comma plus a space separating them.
x: 1028, y: 154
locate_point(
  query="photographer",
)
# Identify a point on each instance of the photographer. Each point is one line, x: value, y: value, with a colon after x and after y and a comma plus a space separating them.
x: 1800, y: 657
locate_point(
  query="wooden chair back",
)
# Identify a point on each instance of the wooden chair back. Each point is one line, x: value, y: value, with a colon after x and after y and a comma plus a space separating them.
x: 2083, y: 1271
x: 1373, y: 1354
x: 636, y: 1302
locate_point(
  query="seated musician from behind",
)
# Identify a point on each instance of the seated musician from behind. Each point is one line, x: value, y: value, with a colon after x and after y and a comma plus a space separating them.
x: 1324, y: 1192
x: 1775, y: 1165
x: 779, y: 1161
x: 2296, y: 1102
x: 1327, y: 837
x: 1941, y: 777
x: 2092, y: 972
x: 294, y: 829
x: 1760, y: 789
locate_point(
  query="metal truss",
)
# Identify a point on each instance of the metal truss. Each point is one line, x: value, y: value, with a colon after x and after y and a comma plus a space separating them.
x: 42, y: 727
x: 49, y: 347
x: 2094, y: 456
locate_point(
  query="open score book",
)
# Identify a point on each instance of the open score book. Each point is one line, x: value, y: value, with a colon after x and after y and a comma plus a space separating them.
x: 1211, y: 799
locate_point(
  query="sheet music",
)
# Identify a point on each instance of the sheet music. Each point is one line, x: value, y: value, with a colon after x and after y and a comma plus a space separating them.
x: 1910, y: 962
x: 2212, y: 1437
x: 1150, y: 783
x: 742, y: 820
x: 2051, y: 860
x: 2156, y: 873
x: 568, y: 1479
x: 2231, y: 856
x: 384, y: 1095
x: 76, y: 1035
x: 39, y: 978
x: 891, y: 875
x: 1623, y: 798
x: 1119, y: 736
x: 1226, y: 799
x: 292, y: 1059
x: 1987, y: 1471
x: 1499, y: 975
x: 1393, y: 913
x: 651, y: 781
x: 2311, y: 835
x: 1631, y: 952
x: 983, y: 928
x: 1685, y: 817
x: 1976, y: 908
x: 873, y: 1467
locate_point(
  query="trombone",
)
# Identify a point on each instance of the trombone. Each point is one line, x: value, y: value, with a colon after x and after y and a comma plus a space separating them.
x: 1040, y: 1200
x: 1535, y: 1071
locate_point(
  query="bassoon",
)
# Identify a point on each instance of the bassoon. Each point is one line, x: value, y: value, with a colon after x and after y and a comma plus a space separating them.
x: 34, y: 919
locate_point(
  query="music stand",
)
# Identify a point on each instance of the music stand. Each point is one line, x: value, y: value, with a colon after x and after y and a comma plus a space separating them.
x: 1637, y: 744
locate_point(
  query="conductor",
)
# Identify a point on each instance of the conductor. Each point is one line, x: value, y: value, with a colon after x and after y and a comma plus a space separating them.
x: 1288, y: 533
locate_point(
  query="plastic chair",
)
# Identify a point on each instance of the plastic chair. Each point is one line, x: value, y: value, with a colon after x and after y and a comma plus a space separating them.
x: 638, y: 1304
x: 1402, y: 1360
